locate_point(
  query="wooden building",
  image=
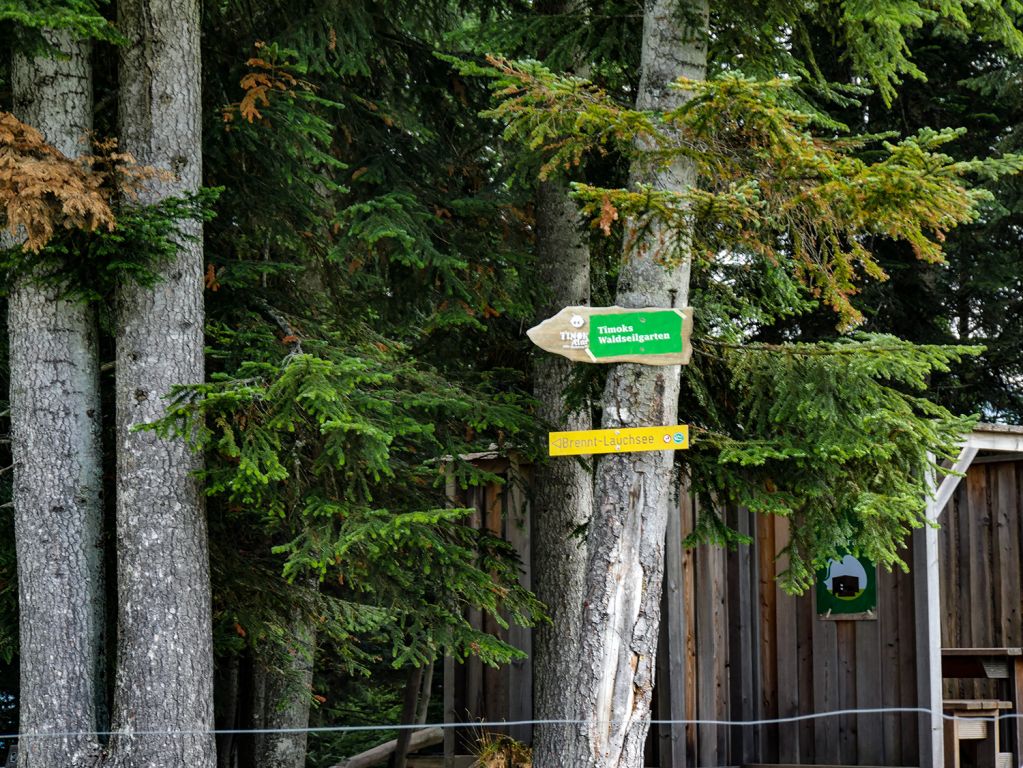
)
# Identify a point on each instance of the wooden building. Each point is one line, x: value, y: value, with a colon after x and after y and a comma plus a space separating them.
x: 735, y: 648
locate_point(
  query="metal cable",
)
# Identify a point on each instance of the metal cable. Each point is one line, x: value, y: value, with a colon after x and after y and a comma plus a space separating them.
x: 508, y: 723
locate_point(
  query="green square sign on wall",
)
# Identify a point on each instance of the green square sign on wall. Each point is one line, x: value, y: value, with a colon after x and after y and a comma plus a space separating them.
x: 847, y: 589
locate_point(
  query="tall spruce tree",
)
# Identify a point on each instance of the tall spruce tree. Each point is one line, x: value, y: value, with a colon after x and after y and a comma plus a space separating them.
x: 563, y: 491
x: 365, y: 239
x: 401, y: 239
x: 972, y: 296
x: 55, y: 425
x: 56, y: 203
x: 597, y: 40
x: 163, y: 705
x: 745, y: 219
x: 633, y: 494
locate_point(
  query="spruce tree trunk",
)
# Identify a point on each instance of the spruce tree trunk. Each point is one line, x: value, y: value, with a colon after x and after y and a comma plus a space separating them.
x: 163, y: 703
x: 286, y: 697
x: 260, y: 672
x: 413, y: 685
x: 563, y: 488
x: 227, y: 699
x: 55, y: 425
x: 633, y: 492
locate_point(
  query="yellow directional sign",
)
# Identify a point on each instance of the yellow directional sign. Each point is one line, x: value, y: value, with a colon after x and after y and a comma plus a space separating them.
x: 625, y: 440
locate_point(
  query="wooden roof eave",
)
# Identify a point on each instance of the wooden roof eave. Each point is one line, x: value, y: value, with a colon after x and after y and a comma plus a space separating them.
x: 1003, y: 438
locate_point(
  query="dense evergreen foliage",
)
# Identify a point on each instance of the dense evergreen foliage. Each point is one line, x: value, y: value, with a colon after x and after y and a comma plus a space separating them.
x: 368, y: 171
x: 783, y: 220
x: 366, y: 285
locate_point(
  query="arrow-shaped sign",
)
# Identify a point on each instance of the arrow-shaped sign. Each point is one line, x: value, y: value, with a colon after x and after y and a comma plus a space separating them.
x: 651, y: 336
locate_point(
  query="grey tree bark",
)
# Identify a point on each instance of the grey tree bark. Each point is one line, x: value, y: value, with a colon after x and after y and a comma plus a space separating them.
x: 163, y: 702
x: 285, y: 698
x: 563, y: 488
x: 55, y: 424
x: 633, y: 491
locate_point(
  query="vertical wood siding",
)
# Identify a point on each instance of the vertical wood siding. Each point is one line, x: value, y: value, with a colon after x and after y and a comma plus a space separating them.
x: 979, y: 550
x: 754, y: 652
x: 744, y: 650
x: 481, y: 693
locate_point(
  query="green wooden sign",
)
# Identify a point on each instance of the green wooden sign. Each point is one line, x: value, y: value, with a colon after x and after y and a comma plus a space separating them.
x: 636, y: 333
x: 847, y: 589
x: 647, y: 335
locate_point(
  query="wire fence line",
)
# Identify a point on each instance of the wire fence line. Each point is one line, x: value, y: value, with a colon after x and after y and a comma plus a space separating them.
x: 508, y: 723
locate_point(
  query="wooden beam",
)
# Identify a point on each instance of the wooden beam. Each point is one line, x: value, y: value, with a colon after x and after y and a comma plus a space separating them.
x: 520, y: 672
x: 978, y: 440
x: 951, y: 481
x: 435, y: 761
x: 675, y: 631
x: 927, y: 594
x: 741, y: 610
x: 381, y: 752
x: 1009, y: 442
x: 448, y: 688
x: 997, y: 458
x: 449, y: 712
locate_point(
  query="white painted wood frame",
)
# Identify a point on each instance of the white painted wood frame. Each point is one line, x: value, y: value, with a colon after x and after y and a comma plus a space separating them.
x: 1001, y: 438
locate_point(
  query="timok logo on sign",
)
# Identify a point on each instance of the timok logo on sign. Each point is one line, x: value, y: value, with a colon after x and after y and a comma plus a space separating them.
x: 847, y: 578
x: 575, y: 339
x: 847, y: 588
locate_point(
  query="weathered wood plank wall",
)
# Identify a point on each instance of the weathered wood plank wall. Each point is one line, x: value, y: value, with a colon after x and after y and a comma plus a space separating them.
x: 979, y: 548
x: 741, y: 649
x: 754, y: 652
x: 476, y: 692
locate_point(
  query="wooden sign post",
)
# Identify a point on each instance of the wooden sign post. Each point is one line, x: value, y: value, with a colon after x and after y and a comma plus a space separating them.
x: 651, y: 336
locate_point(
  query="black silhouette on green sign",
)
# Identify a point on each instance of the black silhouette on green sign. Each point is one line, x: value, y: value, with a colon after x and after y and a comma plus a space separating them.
x: 847, y: 587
